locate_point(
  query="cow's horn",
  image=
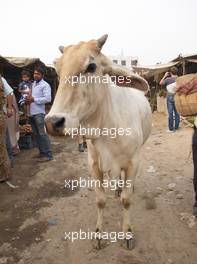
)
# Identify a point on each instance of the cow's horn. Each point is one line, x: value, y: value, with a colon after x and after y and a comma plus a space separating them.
x: 102, y: 40
x: 61, y: 48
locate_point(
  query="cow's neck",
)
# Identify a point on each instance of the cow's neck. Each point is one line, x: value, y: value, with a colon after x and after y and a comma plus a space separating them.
x: 103, y: 116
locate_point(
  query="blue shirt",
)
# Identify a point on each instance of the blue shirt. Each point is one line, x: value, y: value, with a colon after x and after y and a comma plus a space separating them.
x: 41, y: 91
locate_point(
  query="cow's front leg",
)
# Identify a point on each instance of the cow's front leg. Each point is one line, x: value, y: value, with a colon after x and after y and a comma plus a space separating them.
x: 100, y: 200
x: 130, y: 174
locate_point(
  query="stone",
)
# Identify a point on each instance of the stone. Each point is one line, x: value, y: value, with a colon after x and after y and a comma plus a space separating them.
x: 3, y: 260
x: 52, y: 221
x: 179, y: 196
x: 171, y: 186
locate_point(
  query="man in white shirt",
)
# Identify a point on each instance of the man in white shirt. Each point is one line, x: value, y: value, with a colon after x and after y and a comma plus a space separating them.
x: 169, y: 80
x: 41, y: 94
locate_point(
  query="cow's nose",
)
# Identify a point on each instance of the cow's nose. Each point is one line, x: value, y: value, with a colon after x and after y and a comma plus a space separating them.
x: 55, y: 125
x: 58, y: 123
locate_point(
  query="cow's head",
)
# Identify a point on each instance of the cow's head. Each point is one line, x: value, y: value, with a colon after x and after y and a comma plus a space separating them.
x: 82, y: 69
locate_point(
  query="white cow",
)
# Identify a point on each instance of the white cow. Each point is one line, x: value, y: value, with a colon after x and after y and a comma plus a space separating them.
x: 102, y: 105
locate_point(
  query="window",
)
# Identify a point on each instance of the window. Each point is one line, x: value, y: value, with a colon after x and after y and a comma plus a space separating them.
x: 115, y: 61
x: 134, y: 62
x: 123, y: 62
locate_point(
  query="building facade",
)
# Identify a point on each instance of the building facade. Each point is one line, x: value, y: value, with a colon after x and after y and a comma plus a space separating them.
x: 127, y: 61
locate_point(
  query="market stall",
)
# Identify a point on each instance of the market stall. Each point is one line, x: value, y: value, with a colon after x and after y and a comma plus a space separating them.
x: 153, y: 74
x: 11, y: 68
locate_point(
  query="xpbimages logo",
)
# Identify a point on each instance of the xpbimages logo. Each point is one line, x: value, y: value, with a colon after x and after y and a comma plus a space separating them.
x: 96, y: 132
x: 92, y: 79
x: 111, y: 236
x: 91, y: 183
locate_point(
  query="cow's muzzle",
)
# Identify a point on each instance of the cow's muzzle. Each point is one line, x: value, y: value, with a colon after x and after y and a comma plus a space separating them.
x: 55, y: 125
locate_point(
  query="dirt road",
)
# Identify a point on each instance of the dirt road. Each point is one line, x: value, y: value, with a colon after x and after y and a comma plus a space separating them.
x: 35, y: 215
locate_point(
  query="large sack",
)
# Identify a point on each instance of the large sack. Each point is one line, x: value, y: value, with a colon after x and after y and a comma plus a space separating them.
x: 186, y: 95
x: 186, y: 84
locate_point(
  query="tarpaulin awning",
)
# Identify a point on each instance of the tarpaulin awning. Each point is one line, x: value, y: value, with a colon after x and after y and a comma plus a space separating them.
x: 185, y: 57
x: 155, y: 70
x: 19, y: 61
x: 192, y: 60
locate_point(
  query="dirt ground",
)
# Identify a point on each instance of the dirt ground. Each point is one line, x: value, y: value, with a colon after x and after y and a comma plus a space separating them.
x: 35, y: 215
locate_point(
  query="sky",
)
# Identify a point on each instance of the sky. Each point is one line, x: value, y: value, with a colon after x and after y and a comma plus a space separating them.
x: 153, y: 30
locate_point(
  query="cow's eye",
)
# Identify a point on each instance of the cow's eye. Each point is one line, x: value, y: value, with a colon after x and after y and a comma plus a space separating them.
x: 91, y: 68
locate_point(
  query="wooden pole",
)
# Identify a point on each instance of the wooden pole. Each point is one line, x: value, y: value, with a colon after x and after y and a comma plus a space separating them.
x: 183, y: 66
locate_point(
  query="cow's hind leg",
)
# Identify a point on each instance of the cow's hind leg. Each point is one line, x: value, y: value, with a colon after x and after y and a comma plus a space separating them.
x: 130, y: 174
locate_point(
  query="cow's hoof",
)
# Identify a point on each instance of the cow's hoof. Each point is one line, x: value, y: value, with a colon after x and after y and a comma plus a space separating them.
x: 129, y: 241
x: 98, y: 242
x: 118, y: 191
x: 98, y: 239
x: 130, y: 244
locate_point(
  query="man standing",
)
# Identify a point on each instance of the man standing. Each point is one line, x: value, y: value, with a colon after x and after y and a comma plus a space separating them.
x: 169, y: 80
x: 41, y: 94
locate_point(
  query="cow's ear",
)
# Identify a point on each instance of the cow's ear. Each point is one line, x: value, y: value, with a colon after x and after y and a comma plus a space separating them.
x: 101, y: 41
x: 132, y: 79
x: 61, y: 48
